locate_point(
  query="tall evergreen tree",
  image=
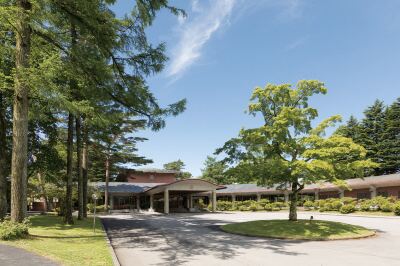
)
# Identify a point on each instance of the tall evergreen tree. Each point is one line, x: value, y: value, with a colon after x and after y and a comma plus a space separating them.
x: 391, y: 139
x: 371, y: 136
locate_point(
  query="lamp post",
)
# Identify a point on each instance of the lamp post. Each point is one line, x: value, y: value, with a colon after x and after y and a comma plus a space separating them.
x: 94, y: 197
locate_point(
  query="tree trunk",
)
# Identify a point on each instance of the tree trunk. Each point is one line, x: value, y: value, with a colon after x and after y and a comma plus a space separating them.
x: 107, y: 181
x: 85, y: 166
x: 70, y: 149
x: 293, y: 203
x: 3, y: 147
x: 19, y: 159
x: 79, y: 166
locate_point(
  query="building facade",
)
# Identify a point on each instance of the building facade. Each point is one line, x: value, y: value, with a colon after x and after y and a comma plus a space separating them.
x: 159, y: 190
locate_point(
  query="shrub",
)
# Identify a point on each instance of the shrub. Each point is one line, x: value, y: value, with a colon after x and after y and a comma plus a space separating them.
x: 323, y: 209
x: 202, y: 205
x: 99, y: 208
x: 224, y: 205
x: 387, y: 207
x: 308, y: 205
x: 12, y: 230
x: 268, y: 207
x: 262, y: 203
x: 336, y: 205
x: 243, y: 208
x: 253, y: 207
x: 349, y: 208
x: 279, y: 205
x: 348, y: 200
x: 396, y: 208
x: 319, y: 203
x: 365, y: 205
x: 328, y: 206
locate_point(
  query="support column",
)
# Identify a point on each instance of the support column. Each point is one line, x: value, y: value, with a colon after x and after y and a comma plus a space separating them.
x: 233, y: 197
x: 258, y: 197
x: 111, y: 202
x: 316, y: 194
x: 138, y: 202
x: 151, y: 203
x: 190, y: 201
x: 166, y: 201
x: 341, y: 193
x: 286, y: 194
x: 214, y: 200
x: 372, y: 189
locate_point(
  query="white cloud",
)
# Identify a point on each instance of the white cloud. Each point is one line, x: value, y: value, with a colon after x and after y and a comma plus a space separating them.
x: 207, y: 17
x: 195, y: 33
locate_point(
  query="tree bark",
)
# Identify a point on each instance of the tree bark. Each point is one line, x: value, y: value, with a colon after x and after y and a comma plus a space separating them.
x: 3, y: 147
x: 70, y: 148
x: 107, y: 181
x: 85, y: 166
x: 79, y: 166
x: 19, y: 158
x: 293, y: 203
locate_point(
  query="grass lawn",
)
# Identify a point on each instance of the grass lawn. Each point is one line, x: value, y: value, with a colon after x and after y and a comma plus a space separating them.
x: 68, y: 244
x: 302, y: 229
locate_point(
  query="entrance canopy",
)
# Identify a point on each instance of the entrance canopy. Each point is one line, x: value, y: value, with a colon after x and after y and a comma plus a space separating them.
x: 190, y: 185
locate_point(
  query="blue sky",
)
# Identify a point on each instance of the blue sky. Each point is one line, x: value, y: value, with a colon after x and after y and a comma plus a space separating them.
x: 225, y: 48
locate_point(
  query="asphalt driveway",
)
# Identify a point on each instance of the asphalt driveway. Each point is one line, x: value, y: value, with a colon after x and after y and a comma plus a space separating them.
x: 195, y: 239
x: 12, y: 256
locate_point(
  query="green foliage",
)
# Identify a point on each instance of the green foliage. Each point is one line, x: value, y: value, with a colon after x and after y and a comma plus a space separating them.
x: 178, y: 166
x: 12, y: 230
x: 349, y: 208
x: 387, y: 207
x: 99, y: 208
x: 253, y: 207
x: 396, y: 208
x: 286, y: 150
x: 308, y: 205
x: 378, y: 132
x: 214, y: 171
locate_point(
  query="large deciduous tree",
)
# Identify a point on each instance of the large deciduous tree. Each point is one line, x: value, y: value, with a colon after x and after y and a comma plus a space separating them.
x: 287, y: 150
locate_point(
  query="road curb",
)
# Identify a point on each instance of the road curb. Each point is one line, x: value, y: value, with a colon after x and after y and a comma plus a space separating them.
x: 112, y: 251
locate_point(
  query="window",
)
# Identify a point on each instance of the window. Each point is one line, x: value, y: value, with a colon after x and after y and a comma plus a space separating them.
x: 383, y: 193
x: 363, y: 195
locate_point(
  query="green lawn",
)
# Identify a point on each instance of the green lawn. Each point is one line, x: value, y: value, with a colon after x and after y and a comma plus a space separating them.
x: 69, y: 245
x: 302, y: 229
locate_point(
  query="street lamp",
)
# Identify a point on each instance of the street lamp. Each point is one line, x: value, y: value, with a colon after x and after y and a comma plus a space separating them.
x: 94, y: 197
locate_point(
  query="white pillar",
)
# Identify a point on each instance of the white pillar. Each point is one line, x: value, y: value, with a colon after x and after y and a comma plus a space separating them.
x: 316, y: 194
x: 111, y: 202
x: 151, y: 203
x: 138, y: 203
x: 214, y: 200
x: 166, y: 201
x: 286, y: 194
x: 372, y: 189
x: 190, y: 201
x: 341, y: 193
x: 233, y: 197
x: 258, y: 197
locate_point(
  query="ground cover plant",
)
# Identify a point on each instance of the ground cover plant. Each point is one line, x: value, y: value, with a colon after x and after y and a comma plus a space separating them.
x: 301, y: 229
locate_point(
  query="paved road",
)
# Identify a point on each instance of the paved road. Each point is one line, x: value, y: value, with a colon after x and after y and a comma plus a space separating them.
x: 12, y: 256
x: 194, y: 239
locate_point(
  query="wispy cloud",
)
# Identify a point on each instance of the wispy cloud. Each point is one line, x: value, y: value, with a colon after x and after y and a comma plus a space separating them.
x: 206, y: 17
x: 194, y: 34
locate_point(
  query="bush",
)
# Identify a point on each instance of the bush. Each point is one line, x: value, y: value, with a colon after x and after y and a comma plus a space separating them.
x: 336, y: 205
x: 224, y: 205
x: 262, y: 203
x: 202, y: 205
x: 11, y: 230
x: 323, y: 209
x: 268, y: 207
x: 99, y: 208
x: 308, y: 205
x: 253, y: 207
x: 396, y: 208
x: 365, y: 205
x: 348, y: 200
x: 279, y: 205
x: 243, y: 208
x: 387, y: 207
x: 349, y: 208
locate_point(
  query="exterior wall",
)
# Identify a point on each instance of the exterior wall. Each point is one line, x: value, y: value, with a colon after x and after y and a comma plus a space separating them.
x: 38, y: 206
x: 389, y: 191
x: 150, y: 178
x: 358, y: 193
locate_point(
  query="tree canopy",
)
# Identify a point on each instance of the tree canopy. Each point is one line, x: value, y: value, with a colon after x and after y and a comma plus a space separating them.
x: 287, y: 150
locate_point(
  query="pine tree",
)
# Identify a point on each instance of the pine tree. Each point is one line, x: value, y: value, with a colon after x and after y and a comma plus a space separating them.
x: 391, y: 140
x: 372, y: 130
